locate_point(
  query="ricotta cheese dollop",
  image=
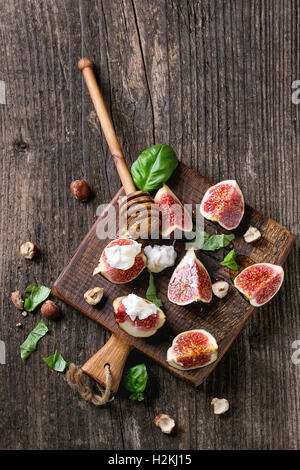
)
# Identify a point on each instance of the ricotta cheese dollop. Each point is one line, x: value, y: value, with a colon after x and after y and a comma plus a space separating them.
x: 160, y: 257
x: 137, y: 307
x: 122, y: 256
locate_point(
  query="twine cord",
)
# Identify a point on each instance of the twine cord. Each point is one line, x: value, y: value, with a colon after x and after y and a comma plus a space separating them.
x: 75, y: 379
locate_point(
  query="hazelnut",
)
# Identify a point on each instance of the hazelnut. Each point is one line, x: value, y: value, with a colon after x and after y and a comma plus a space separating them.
x: 220, y: 289
x: 220, y: 405
x: 165, y: 423
x: 80, y: 190
x: 50, y: 310
x: 17, y: 300
x: 94, y: 295
x: 252, y: 235
x: 28, y: 250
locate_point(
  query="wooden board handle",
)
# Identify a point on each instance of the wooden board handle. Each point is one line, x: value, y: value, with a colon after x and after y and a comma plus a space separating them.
x: 114, y: 353
x: 86, y: 67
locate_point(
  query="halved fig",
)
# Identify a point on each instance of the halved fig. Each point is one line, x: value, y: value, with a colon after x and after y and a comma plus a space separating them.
x: 190, y: 282
x: 121, y: 276
x: 192, y: 349
x: 224, y: 203
x: 138, y: 328
x: 259, y: 282
x: 173, y: 215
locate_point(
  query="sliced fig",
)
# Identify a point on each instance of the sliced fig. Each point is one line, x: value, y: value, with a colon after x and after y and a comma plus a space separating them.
x: 121, y: 276
x: 190, y: 282
x: 174, y: 216
x: 192, y: 349
x: 224, y: 203
x: 138, y: 328
x: 259, y: 282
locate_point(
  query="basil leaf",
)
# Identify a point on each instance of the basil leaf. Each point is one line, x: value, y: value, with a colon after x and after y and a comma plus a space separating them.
x: 154, y: 167
x: 32, y: 339
x: 135, y: 381
x: 38, y: 295
x: 29, y: 288
x: 151, y: 292
x: 56, y: 362
x: 206, y: 242
x: 229, y: 261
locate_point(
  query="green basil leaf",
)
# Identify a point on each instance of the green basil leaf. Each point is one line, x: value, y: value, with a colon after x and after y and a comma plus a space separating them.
x: 206, y: 242
x: 135, y: 381
x: 38, y: 295
x: 151, y: 292
x: 32, y: 339
x: 154, y: 167
x: 29, y: 288
x: 56, y: 362
x: 229, y: 261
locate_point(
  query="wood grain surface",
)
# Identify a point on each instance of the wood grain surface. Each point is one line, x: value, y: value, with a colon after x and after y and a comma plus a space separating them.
x: 223, y: 319
x: 213, y: 79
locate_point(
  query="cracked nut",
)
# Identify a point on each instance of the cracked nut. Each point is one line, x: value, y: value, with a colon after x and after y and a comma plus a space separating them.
x: 94, y: 295
x: 165, y: 423
x: 252, y: 235
x: 28, y: 250
x: 220, y: 289
x: 19, y: 325
x: 50, y: 310
x: 17, y: 300
x: 80, y: 190
x: 219, y: 405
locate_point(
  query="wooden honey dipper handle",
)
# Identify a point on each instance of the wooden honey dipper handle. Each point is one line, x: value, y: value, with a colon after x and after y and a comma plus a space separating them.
x: 86, y: 67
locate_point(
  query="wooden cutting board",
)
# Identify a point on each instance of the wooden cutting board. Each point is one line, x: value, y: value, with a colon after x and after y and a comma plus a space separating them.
x: 223, y: 318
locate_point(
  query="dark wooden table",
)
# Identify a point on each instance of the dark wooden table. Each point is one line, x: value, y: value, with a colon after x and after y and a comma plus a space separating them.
x: 214, y: 80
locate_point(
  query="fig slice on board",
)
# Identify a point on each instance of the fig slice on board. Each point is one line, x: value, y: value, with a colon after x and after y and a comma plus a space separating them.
x: 121, y: 276
x: 190, y: 282
x: 259, y: 282
x: 174, y: 217
x: 224, y: 203
x: 192, y: 349
x: 138, y: 328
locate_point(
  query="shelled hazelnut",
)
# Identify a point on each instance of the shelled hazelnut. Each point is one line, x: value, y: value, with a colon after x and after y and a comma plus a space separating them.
x: 17, y: 300
x: 165, y: 423
x: 93, y: 296
x: 28, y: 250
x: 219, y: 405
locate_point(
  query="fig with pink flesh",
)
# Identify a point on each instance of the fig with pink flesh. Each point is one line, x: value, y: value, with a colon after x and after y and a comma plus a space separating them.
x: 190, y: 282
x: 192, y: 349
x: 259, y: 282
x: 121, y: 276
x: 138, y: 328
x: 224, y: 203
x: 173, y: 214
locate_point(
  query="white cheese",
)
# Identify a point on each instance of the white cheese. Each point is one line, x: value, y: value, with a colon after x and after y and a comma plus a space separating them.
x: 122, y: 256
x: 160, y: 257
x: 136, y: 307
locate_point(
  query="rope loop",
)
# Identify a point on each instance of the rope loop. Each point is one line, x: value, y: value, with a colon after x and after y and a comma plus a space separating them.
x: 75, y: 379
